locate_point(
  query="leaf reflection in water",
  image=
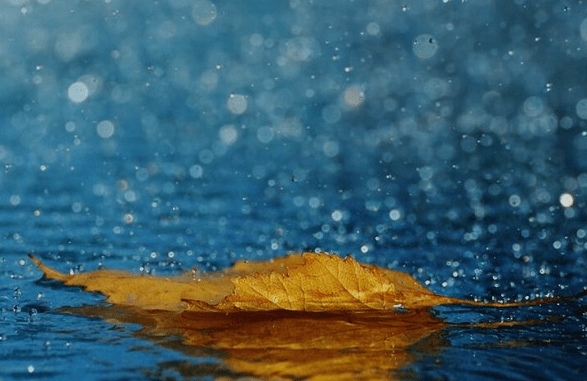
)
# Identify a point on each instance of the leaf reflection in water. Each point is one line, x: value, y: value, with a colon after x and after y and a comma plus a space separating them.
x: 286, y: 345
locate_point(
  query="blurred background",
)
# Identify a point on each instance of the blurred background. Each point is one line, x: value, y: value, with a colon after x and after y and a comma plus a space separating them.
x: 444, y: 138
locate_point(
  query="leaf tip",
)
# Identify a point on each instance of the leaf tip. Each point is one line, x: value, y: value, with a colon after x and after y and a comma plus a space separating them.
x: 49, y: 272
x: 34, y: 259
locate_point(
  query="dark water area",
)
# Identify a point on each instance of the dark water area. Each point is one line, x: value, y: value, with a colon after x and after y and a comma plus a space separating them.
x: 447, y: 139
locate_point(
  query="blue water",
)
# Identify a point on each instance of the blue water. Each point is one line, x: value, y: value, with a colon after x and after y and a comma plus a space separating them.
x: 446, y: 138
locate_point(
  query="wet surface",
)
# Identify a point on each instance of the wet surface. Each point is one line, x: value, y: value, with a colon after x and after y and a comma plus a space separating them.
x: 446, y: 139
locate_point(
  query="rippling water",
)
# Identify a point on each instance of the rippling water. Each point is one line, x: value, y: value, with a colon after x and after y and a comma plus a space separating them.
x: 447, y: 139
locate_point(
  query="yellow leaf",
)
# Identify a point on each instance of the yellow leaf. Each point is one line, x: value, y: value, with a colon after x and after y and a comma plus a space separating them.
x: 305, y: 316
x: 307, y: 282
x: 322, y: 282
x: 145, y: 291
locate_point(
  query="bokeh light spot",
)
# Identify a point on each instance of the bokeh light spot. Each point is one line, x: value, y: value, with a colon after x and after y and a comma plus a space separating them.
x: 566, y: 200
x: 581, y: 108
x: 105, y: 129
x: 354, y: 96
x: 237, y: 104
x: 425, y: 46
x: 78, y: 92
x: 204, y: 12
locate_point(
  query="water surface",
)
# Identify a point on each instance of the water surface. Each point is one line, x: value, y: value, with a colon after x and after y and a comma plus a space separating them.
x: 446, y: 139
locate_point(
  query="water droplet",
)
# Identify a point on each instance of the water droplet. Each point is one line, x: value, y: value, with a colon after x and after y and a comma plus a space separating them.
x: 196, y: 171
x: 515, y: 200
x: 566, y: 200
x: 581, y: 108
x: 237, y: 104
x: 78, y: 92
x: 373, y: 28
x: 228, y: 134
x: 105, y: 129
x: 533, y: 106
x: 354, y: 96
x: 583, y: 29
x: 336, y: 215
x: 395, y: 214
x: 424, y: 46
x: 204, y: 12
x: 129, y: 218
x: 14, y: 200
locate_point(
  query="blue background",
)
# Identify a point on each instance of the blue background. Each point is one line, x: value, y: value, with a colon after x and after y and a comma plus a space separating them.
x: 435, y: 137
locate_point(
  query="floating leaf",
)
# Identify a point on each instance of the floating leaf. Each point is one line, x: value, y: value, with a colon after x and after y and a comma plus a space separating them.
x: 305, y: 316
x: 299, y: 282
